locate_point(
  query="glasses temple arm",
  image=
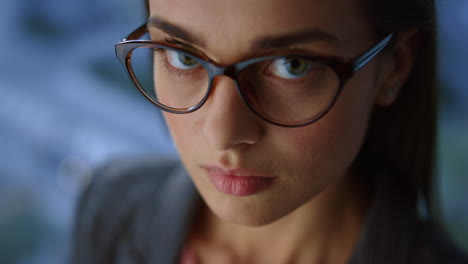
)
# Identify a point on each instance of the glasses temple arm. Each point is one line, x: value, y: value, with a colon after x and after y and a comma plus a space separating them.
x: 371, y: 53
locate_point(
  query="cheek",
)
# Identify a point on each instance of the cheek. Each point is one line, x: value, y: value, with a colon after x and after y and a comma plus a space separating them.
x: 185, y: 131
x: 179, y: 128
x: 321, y: 155
x: 332, y: 143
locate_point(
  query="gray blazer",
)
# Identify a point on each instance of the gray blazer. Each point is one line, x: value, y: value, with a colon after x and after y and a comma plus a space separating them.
x: 138, y: 212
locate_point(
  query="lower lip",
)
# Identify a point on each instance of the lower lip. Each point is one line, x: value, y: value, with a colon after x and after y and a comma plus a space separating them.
x: 239, y: 185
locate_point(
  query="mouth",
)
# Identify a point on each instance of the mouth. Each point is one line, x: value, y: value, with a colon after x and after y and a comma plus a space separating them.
x: 238, y: 182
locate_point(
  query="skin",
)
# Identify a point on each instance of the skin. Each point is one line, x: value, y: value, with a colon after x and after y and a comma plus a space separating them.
x: 314, y: 211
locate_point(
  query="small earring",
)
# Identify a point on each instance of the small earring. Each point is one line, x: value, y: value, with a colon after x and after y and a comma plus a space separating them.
x: 390, y: 92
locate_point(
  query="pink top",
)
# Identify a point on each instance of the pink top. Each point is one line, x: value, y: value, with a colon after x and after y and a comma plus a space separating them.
x: 188, y: 256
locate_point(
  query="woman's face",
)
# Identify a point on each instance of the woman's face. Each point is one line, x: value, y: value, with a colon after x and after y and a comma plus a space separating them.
x: 250, y: 172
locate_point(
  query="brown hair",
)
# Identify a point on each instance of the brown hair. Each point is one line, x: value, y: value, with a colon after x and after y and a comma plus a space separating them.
x: 401, y: 137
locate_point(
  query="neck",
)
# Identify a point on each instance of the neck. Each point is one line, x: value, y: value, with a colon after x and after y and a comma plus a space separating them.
x: 324, y: 230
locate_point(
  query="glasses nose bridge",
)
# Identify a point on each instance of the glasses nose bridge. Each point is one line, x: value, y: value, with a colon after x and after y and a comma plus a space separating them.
x: 230, y: 71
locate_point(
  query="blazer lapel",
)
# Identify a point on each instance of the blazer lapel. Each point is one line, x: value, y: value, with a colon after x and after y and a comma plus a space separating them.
x: 172, y: 218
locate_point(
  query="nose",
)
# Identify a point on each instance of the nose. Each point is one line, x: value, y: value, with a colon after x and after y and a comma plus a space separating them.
x: 228, y: 121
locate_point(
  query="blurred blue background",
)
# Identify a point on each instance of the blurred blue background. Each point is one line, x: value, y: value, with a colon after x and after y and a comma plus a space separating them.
x: 66, y: 106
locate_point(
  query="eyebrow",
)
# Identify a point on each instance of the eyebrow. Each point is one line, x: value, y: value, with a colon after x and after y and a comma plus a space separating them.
x: 263, y: 43
x: 275, y: 42
x: 174, y: 30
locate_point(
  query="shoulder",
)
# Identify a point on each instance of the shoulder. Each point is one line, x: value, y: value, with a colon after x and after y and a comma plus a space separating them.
x: 433, y: 247
x: 131, y: 171
x: 116, y: 208
x: 119, y: 185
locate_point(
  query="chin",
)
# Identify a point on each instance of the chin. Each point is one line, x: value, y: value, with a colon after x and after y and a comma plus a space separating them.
x: 253, y: 211
x: 250, y: 219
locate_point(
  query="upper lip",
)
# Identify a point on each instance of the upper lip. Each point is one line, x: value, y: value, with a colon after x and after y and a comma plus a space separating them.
x: 240, y: 172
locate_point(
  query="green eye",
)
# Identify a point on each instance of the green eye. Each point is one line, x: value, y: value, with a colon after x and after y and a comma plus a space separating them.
x: 186, y: 60
x: 181, y: 61
x: 290, y: 68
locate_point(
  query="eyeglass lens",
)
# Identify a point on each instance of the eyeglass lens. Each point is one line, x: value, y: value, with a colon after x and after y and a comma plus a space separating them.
x: 283, y: 89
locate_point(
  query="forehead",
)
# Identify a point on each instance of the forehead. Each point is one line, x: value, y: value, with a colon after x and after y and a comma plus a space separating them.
x: 228, y: 25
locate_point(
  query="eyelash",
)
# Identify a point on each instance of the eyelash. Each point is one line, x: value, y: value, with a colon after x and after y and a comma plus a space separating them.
x: 179, y: 73
x: 171, y: 70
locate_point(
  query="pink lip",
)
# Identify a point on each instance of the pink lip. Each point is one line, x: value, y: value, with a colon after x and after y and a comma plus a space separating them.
x: 238, y: 182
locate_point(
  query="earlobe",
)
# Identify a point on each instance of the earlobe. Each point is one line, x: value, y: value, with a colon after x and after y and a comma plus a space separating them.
x: 399, y: 65
x: 387, y: 96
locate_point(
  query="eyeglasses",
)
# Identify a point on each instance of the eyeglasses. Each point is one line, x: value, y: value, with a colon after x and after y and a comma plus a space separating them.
x: 289, y: 90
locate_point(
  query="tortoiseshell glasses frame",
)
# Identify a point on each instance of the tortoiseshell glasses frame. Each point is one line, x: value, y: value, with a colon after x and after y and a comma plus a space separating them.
x: 344, y: 69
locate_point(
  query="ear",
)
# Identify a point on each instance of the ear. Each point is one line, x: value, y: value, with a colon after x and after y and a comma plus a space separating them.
x: 397, y: 65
